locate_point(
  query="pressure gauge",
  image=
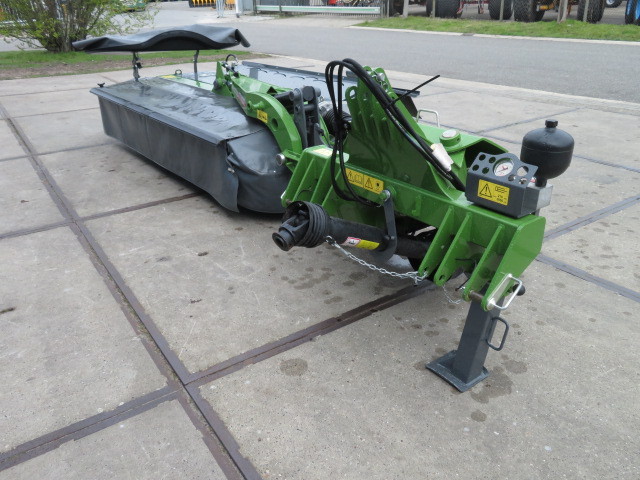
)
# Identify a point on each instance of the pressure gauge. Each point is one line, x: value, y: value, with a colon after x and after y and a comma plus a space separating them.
x: 504, y: 168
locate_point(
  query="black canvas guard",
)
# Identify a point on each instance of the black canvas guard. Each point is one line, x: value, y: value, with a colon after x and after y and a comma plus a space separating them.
x: 190, y: 37
x: 200, y: 136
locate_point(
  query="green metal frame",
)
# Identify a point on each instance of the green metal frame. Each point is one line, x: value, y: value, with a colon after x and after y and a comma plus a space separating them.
x: 488, y: 246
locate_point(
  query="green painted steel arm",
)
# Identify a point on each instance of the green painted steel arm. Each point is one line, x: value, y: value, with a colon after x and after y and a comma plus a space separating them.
x: 256, y: 98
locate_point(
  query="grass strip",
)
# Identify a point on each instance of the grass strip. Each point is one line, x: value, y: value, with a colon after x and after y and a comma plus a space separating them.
x: 37, y: 63
x: 551, y: 29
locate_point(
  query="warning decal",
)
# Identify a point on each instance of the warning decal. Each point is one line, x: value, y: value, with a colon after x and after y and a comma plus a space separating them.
x: 262, y: 116
x: 358, y: 242
x: 493, y: 192
x: 365, y: 181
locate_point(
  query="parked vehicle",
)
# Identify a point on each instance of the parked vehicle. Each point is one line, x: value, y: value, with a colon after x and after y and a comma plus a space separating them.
x: 454, y: 8
x: 533, y: 10
x: 632, y: 13
x: 522, y: 10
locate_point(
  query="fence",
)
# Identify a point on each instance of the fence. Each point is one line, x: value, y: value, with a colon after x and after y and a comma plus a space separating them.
x: 332, y: 7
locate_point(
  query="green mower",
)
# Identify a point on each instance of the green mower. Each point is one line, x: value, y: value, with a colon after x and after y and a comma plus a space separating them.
x: 342, y: 154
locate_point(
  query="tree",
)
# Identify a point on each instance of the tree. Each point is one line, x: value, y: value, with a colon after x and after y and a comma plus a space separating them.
x: 54, y: 24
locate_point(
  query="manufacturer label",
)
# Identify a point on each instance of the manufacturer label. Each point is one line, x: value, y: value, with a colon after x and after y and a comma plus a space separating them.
x: 359, y: 243
x: 365, y: 181
x: 493, y: 192
x: 262, y: 116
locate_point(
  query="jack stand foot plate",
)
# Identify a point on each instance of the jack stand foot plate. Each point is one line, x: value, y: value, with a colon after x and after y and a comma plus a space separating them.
x: 442, y: 368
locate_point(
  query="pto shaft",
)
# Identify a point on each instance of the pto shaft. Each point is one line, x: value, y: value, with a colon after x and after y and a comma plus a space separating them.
x: 308, y: 225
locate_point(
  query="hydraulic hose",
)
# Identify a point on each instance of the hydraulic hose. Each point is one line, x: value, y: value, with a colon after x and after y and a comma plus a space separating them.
x: 390, y: 107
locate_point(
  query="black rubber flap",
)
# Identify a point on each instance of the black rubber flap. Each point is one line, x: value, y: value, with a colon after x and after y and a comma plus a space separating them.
x: 261, y: 181
x: 191, y: 37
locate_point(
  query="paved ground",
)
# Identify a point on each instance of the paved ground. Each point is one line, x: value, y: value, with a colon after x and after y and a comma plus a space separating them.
x: 147, y: 333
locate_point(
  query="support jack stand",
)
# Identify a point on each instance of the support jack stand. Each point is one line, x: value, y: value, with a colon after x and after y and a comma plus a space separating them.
x: 464, y: 367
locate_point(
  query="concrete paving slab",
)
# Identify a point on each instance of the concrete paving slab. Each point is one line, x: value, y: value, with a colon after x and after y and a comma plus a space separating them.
x: 11, y: 148
x: 586, y: 187
x: 159, y: 443
x: 217, y: 286
x: 110, y: 177
x: 477, y: 111
x: 48, y: 84
x: 616, y: 143
x: 358, y: 403
x: 606, y: 248
x: 48, y: 102
x: 68, y: 352
x: 65, y: 130
x: 25, y: 202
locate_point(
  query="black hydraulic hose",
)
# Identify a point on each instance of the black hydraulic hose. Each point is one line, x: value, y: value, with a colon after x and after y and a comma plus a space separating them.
x: 338, y: 144
x: 390, y: 107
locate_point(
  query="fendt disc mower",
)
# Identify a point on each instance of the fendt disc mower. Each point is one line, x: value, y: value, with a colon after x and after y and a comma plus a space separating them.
x: 343, y: 156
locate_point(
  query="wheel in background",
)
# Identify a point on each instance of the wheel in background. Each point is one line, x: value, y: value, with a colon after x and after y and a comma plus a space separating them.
x: 494, y: 9
x: 594, y: 10
x: 632, y: 12
x: 397, y: 7
x: 612, y: 3
x: 447, y: 8
x: 525, y: 11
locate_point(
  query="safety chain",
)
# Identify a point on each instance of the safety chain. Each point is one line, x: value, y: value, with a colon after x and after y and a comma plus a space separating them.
x: 451, y: 300
x: 410, y: 275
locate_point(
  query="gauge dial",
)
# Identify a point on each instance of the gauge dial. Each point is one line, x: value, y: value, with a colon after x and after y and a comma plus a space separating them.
x: 503, y: 169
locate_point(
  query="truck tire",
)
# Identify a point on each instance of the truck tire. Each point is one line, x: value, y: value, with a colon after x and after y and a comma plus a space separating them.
x: 447, y: 8
x: 612, y: 3
x: 396, y: 7
x: 525, y: 11
x: 594, y: 10
x: 632, y: 12
x: 494, y: 9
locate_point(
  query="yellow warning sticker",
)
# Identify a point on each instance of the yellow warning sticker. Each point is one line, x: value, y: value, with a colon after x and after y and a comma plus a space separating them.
x: 365, y: 181
x: 262, y: 116
x: 493, y: 192
x: 323, y: 151
x: 360, y: 243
